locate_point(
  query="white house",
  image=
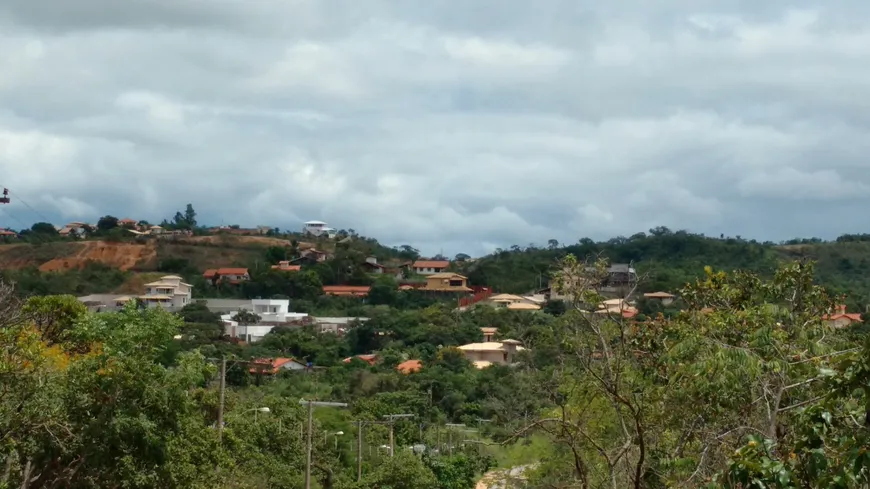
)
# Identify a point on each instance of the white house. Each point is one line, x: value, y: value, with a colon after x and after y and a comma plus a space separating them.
x: 271, y: 311
x: 318, y: 228
x: 169, y: 291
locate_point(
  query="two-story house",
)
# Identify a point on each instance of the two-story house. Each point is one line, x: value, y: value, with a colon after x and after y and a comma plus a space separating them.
x: 429, y: 267
x: 372, y: 266
x: 446, y: 282
x: 318, y: 229
x: 169, y: 291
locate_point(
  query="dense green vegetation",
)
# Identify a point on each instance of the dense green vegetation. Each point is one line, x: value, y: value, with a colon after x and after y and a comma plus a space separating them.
x: 667, y: 260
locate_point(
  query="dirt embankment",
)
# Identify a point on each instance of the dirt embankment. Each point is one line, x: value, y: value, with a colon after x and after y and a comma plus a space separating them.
x: 122, y: 256
x: 202, y: 252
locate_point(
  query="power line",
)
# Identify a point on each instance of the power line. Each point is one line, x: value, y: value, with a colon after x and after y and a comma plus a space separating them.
x: 18, y: 197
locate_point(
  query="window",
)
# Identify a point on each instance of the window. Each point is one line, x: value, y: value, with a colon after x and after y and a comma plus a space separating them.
x: 456, y: 283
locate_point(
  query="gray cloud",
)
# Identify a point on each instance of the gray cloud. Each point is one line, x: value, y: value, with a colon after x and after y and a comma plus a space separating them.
x: 455, y: 127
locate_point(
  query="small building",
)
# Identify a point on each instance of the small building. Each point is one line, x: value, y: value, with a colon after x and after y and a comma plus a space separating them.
x: 6, y: 233
x: 227, y: 275
x: 488, y: 333
x: 663, y: 297
x: 446, y: 282
x: 347, y: 290
x: 483, y: 355
x: 429, y: 267
x: 523, y: 306
x: 369, y: 358
x: 372, y: 266
x: 285, y: 266
x: 839, y: 318
x: 271, y: 366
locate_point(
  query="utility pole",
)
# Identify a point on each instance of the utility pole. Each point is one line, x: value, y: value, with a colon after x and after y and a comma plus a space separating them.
x: 223, y: 388
x: 392, y: 419
x: 359, y: 435
x: 450, y: 435
x: 311, y: 405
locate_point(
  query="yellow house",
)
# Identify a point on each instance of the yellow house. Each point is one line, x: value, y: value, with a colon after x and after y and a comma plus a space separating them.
x: 447, y: 282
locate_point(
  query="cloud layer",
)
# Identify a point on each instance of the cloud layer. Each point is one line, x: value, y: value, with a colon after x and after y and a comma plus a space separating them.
x: 454, y: 126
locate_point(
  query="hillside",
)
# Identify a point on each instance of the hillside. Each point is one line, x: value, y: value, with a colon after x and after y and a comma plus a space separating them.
x: 201, y: 251
x: 667, y: 260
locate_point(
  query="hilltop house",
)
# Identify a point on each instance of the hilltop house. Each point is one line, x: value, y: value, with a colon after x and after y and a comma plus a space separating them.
x: 74, y: 230
x: 318, y: 229
x: 6, y: 233
x: 429, y: 267
x: 446, y: 282
x: 168, y: 292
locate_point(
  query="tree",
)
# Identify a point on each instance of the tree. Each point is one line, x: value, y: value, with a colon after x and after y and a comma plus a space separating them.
x: 190, y: 216
x: 552, y: 244
x: 667, y: 403
x: 461, y: 257
x: 107, y: 223
x: 54, y: 316
x: 246, y: 317
x: 44, y: 228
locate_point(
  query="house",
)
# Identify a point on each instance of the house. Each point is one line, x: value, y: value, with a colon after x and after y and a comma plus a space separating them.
x: 488, y: 333
x: 318, y: 229
x: 839, y: 318
x: 272, y: 313
x: 369, y: 358
x: 271, y: 366
x: 285, y: 266
x: 483, y: 355
x: 311, y: 255
x: 372, y: 266
x: 663, y: 297
x: 156, y: 230
x: 446, y: 282
x: 168, y: 292
x: 523, y: 306
x: 619, y: 280
x: 227, y: 275
x: 617, y: 307
x: 429, y: 267
x: 347, y: 290
x: 128, y: 223
x: 337, y: 325
x: 6, y: 233
x: 514, y: 302
x: 74, y: 230
x: 409, y: 366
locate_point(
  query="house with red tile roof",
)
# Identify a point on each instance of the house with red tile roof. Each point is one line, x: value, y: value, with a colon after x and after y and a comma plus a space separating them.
x: 369, y: 358
x: 840, y: 318
x: 227, y: 275
x: 285, y: 266
x: 6, y: 233
x: 271, y: 366
x: 429, y: 267
x: 347, y: 290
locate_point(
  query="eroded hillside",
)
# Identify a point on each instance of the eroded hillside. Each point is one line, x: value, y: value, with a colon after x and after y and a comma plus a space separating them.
x: 201, y: 251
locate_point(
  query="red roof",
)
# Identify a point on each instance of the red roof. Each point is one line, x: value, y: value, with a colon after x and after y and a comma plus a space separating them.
x: 210, y: 273
x: 6, y: 232
x: 232, y: 271
x: 409, y: 366
x: 347, y: 290
x: 369, y: 358
x: 285, y: 266
x: 262, y: 364
x: 431, y: 264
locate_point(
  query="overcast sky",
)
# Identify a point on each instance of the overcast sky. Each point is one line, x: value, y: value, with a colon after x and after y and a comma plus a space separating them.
x: 451, y: 125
